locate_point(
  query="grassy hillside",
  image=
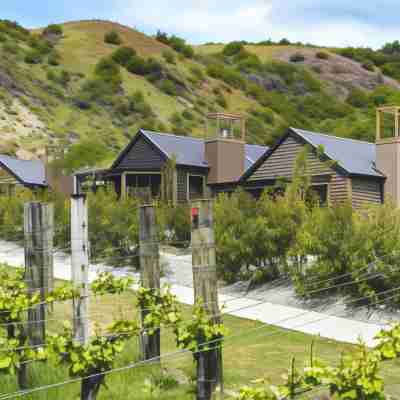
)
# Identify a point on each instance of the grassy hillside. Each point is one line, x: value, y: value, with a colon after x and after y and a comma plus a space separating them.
x: 58, y: 86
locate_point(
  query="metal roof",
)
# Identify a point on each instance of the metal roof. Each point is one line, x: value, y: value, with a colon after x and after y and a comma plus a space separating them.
x: 29, y: 172
x: 190, y: 151
x: 355, y: 156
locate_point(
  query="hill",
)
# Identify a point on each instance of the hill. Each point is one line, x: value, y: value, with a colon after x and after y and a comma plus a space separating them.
x: 99, y: 81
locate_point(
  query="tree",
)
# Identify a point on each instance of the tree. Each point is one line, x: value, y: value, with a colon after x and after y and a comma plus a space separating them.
x: 232, y: 49
x: 123, y: 55
x: 86, y: 153
x: 112, y: 37
x: 53, y: 29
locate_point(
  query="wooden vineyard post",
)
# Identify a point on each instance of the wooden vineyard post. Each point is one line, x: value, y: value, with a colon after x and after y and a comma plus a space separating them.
x: 39, y: 230
x: 209, y: 363
x: 80, y: 278
x: 149, y: 274
x: 80, y: 266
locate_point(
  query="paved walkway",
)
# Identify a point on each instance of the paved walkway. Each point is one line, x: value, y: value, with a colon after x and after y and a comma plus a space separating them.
x: 179, y: 275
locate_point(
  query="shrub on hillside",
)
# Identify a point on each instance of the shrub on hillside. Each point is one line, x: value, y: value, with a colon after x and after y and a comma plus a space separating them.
x: 228, y: 74
x: 123, y: 55
x: 232, y: 48
x: 187, y: 115
x: 369, y: 66
x: 250, y: 63
x: 177, y: 43
x: 168, y: 87
x: 33, y: 57
x: 297, y: 57
x: 357, y: 98
x: 54, y: 58
x: 137, y: 65
x: 11, y: 47
x: 322, y: 55
x: 138, y: 104
x: 197, y: 72
x: 221, y: 100
x: 53, y: 29
x: 108, y: 70
x: 169, y: 56
x: 112, y: 37
x: 3, y: 37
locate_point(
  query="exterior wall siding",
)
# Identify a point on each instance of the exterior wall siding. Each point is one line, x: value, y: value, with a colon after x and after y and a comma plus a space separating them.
x: 339, y: 189
x: 365, y: 191
x: 281, y: 163
x: 182, y: 184
x: 142, y: 156
x: 7, y: 178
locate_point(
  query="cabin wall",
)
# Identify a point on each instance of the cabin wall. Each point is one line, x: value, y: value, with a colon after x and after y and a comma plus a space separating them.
x: 366, y: 190
x: 282, y: 162
x: 8, y: 182
x: 339, y: 189
x: 142, y: 156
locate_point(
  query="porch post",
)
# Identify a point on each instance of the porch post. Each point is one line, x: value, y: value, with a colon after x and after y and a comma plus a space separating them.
x: 123, y: 185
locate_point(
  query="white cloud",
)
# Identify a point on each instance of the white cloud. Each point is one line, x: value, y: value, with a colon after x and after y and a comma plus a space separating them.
x: 202, y: 20
x: 327, y: 22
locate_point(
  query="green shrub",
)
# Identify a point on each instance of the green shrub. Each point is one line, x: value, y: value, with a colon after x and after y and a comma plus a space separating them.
x: 228, y: 74
x: 169, y: 56
x: 138, y: 104
x: 137, y: 65
x: 123, y: 55
x: 322, y: 55
x: 168, y: 87
x: 297, y: 57
x: 358, y: 98
x: 221, y: 100
x: 108, y: 70
x: 54, y: 58
x: 40, y: 44
x: 369, y: 66
x: 112, y: 37
x: 11, y: 47
x: 33, y: 57
x: 53, y: 29
x: 250, y: 63
x: 187, y: 115
x: 232, y: 49
x: 197, y: 72
x: 3, y: 37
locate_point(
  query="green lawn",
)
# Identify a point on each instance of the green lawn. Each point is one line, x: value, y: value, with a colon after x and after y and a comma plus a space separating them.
x: 249, y: 353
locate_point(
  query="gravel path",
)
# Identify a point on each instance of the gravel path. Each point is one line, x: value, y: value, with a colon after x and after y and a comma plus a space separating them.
x: 271, y: 305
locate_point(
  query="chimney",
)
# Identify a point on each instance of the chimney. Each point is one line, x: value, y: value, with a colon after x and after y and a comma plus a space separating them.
x: 388, y: 150
x: 225, y: 147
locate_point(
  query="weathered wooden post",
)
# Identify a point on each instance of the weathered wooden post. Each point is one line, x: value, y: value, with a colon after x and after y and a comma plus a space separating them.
x: 80, y: 265
x: 149, y: 274
x: 39, y: 230
x: 209, y: 363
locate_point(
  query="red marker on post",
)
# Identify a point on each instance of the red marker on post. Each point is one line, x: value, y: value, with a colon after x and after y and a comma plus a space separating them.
x: 195, y: 217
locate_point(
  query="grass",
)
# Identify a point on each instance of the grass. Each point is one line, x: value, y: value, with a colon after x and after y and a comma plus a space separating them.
x: 249, y: 353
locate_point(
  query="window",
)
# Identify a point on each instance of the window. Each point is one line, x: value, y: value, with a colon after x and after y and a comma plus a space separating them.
x: 143, y: 184
x: 195, y: 187
x: 321, y: 193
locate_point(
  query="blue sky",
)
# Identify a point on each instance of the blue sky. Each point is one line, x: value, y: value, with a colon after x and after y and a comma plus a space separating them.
x: 328, y: 22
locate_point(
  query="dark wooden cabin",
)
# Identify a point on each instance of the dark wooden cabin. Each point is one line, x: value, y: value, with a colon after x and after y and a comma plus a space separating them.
x: 200, y: 171
x: 341, y: 169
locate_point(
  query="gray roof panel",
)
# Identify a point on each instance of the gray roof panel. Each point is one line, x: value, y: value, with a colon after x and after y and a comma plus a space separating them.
x: 29, y: 172
x: 355, y: 156
x: 190, y: 151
